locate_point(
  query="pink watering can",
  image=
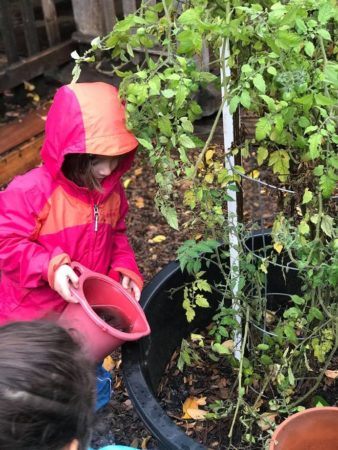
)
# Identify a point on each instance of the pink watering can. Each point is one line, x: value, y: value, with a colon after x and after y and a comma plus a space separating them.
x: 106, y: 315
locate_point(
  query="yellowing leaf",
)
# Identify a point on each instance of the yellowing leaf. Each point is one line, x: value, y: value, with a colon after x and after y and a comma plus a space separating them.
x: 28, y: 86
x: 267, y: 420
x: 278, y: 247
x: 157, y: 239
x: 209, y: 178
x: 254, y: 174
x: 139, y: 202
x: 331, y: 374
x: 263, y: 268
x: 208, y: 156
x: 126, y: 182
x: 192, y: 404
x: 198, y: 237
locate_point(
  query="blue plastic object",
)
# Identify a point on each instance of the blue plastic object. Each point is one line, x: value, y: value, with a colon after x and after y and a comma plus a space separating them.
x: 103, y: 387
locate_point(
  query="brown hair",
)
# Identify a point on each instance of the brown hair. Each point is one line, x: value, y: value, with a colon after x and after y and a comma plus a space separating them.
x: 77, y: 167
x: 47, y: 388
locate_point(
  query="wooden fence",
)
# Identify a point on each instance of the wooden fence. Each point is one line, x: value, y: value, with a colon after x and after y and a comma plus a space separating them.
x: 33, y: 38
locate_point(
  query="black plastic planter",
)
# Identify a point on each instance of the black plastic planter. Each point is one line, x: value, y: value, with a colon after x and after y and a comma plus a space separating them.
x: 144, y: 361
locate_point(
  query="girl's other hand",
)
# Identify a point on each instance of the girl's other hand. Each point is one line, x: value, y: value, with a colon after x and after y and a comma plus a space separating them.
x: 130, y: 286
x: 64, y: 276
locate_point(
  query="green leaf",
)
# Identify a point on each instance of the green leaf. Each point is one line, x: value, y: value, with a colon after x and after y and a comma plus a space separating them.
x: 246, y: 68
x: 327, y: 185
x: 146, y: 144
x: 270, y: 102
x: 324, y: 34
x: 326, y: 11
x: 304, y: 122
x: 168, y: 93
x: 233, y: 104
x: 201, y: 301
x: 189, y: 42
x: 331, y: 73
x: 164, y: 125
x: 186, y: 141
x: 324, y: 101
x: 266, y: 360
x: 314, y: 145
x: 315, y: 313
x: 190, y: 16
x: 291, y: 377
x: 290, y: 333
x: 303, y: 227
x: 259, y: 82
x: 306, y: 100
x: 262, y: 154
x: 154, y: 85
x: 181, y: 95
x: 187, y: 125
x: 326, y: 225
x: 298, y: 300
x: 221, y: 349
x: 280, y: 162
x: 307, y: 197
x: 309, y: 48
x: 170, y: 215
x: 263, y: 128
x: 272, y: 71
x: 263, y: 347
x: 245, y: 99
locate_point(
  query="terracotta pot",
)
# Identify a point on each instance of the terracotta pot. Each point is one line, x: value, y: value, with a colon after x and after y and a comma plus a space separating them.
x: 311, y: 429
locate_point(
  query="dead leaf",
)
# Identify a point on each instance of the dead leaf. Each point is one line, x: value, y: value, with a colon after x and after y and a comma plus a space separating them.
x: 139, y: 202
x: 127, y: 182
x: 108, y: 363
x: 229, y: 344
x: 267, y: 420
x: 196, y: 414
x: 192, y: 404
x: 134, y: 443
x: 145, y: 442
x: 331, y: 374
x: 138, y: 171
x: 28, y: 86
x: 157, y: 239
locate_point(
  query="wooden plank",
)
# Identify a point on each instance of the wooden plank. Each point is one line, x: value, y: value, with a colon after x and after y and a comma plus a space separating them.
x: 31, y: 35
x: 51, y: 21
x: 14, y: 134
x: 109, y: 14
x: 35, y: 65
x: 20, y: 161
x: 129, y: 7
x: 7, y: 32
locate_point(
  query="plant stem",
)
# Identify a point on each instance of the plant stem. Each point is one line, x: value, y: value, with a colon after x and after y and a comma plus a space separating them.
x: 240, y: 373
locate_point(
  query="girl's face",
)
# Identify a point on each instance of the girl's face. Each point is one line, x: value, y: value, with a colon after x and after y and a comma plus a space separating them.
x: 103, y: 166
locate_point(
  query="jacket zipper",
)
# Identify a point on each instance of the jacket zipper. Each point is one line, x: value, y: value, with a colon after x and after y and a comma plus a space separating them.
x: 96, y: 217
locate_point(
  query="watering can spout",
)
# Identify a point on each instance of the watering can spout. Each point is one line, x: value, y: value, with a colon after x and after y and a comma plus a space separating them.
x: 106, y: 315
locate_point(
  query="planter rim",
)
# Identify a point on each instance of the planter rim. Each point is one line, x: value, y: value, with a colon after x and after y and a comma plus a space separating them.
x: 305, y: 412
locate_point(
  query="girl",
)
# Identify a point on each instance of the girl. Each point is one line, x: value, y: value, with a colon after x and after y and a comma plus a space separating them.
x: 71, y: 208
x: 46, y: 389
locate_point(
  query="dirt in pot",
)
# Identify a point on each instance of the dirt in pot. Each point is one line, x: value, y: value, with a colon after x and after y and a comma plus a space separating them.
x: 113, y: 317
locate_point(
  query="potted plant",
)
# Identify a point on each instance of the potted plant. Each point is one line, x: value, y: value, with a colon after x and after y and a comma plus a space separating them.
x: 283, y: 68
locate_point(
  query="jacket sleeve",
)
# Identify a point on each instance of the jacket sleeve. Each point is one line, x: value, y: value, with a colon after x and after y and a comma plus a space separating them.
x: 123, y: 259
x: 22, y: 258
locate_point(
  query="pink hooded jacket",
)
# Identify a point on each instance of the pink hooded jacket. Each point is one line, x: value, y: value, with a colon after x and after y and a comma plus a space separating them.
x: 46, y: 220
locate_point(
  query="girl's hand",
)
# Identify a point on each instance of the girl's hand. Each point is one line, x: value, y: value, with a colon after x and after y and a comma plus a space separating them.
x: 130, y: 286
x: 65, y: 275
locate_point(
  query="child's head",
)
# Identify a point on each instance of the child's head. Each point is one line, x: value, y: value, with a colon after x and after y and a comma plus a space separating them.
x: 88, y: 170
x: 47, y: 389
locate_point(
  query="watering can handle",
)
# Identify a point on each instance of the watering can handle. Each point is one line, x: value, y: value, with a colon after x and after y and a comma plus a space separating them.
x: 80, y: 270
